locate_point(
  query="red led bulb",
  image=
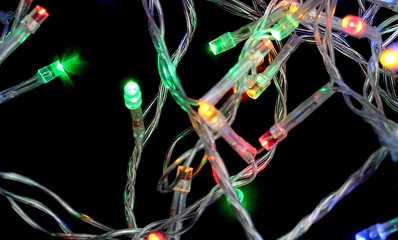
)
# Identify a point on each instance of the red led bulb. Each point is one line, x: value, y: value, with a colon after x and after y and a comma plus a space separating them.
x: 353, y: 25
x: 267, y: 141
x: 274, y: 135
x: 39, y: 14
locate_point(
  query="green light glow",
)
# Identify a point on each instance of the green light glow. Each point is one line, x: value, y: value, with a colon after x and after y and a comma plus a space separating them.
x: 222, y: 43
x: 73, y: 64
x: 247, y: 197
x: 51, y: 71
x: 132, y: 95
x: 241, y: 195
x: 60, y: 67
x: 284, y: 27
x: 213, y: 48
x: 276, y: 34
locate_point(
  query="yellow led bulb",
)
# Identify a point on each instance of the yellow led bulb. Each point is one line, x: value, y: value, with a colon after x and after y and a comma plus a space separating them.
x: 213, y: 118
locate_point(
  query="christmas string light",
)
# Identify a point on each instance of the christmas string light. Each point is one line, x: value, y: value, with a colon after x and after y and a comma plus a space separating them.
x: 279, y: 131
x: 276, y: 30
x: 29, y: 25
x: 263, y: 80
x: 133, y: 101
x: 181, y: 191
x: 44, y: 75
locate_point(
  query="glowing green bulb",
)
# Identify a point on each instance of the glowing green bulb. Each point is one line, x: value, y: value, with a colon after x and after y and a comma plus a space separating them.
x: 222, y: 43
x: 248, y: 196
x: 213, y: 48
x: 132, y: 95
x: 284, y: 27
x: 51, y: 71
x: 241, y: 195
x: 60, y: 67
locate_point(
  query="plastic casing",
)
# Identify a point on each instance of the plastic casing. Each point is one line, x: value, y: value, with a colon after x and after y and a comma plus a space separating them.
x: 291, y: 21
x: 29, y: 24
x: 279, y: 130
x: 257, y: 86
x: 252, y: 57
x: 379, y: 231
x: 44, y: 75
x: 35, y: 18
x: 284, y: 27
x: 132, y: 96
x: 216, y: 121
x: 50, y: 72
x: 356, y: 27
x: 230, y: 39
x: 264, y: 79
x: 222, y: 43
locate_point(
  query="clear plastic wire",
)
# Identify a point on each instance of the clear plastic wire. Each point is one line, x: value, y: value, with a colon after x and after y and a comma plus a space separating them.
x: 309, y: 22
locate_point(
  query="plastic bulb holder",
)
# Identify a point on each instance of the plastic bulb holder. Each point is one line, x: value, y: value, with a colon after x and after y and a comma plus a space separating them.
x: 50, y: 72
x: 353, y: 25
x: 269, y: 139
x: 222, y: 43
x: 258, y: 86
x: 379, y: 231
x: 35, y: 18
x: 284, y: 27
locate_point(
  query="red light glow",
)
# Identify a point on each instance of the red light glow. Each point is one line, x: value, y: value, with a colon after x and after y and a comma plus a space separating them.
x: 155, y: 236
x: 267, y: 141
x: 42, y: 11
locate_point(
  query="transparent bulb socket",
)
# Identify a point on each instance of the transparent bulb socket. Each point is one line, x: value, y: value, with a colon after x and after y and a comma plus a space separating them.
x: 49, y: 72
x: 284, y: 27
x: 372, y: 233
x: 132, y: 95
x: 356, y: 27
x: 271, y: 138
x: 259, y: 49
x: 132, y: 103
x: 35, y: 18
x: 257, y: 87
x: 212, y: 116
x: 39, y: 14
x: 184, y: 185
x: 222, y: 43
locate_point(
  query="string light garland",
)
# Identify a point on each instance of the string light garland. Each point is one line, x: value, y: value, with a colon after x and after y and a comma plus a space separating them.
x: 277, y: 30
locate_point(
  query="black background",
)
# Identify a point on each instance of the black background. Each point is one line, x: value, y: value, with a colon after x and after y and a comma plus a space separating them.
x: 76, y: 138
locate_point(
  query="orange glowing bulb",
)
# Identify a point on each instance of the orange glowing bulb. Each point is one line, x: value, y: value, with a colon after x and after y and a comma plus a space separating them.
x: 205, y: 109
x: 214, y: 119
x: 353, y: 25
x: 251, y: 93
x: 293, y: 8
x: 388, y: 59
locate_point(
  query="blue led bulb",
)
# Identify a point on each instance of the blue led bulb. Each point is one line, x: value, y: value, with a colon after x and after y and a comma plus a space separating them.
x: 379, y: 231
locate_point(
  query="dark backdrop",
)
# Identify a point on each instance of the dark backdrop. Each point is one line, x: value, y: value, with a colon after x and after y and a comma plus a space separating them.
x: 75, y: 138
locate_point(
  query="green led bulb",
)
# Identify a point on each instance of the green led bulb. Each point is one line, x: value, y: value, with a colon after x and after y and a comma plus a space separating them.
x: 248, y: 197
x: 132, y: 95
x: 50, y: 72
x: 284, y: 27
x: 222, y: 43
